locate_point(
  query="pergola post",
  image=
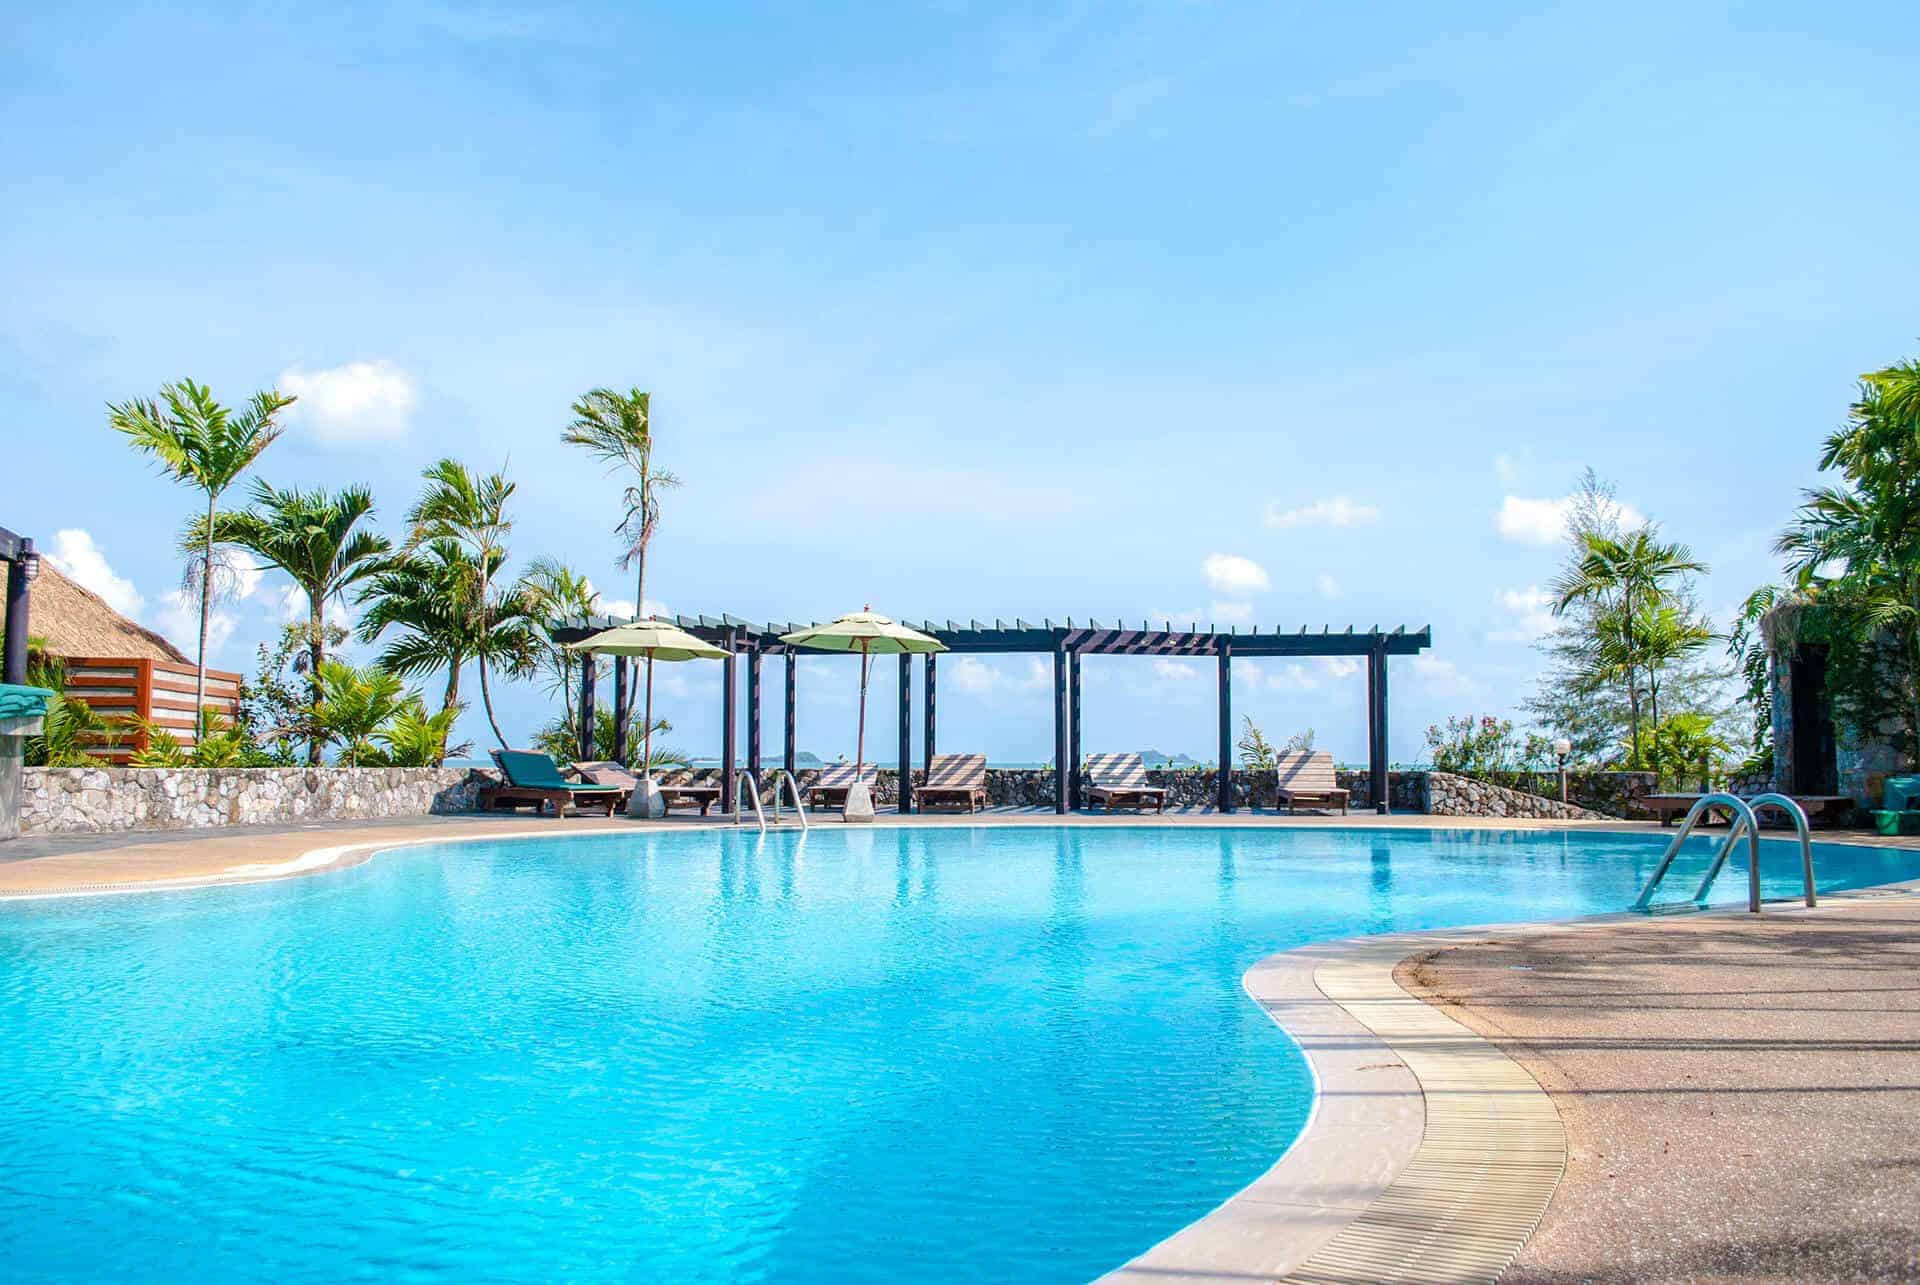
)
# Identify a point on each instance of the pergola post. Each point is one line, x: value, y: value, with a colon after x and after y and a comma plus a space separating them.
x: 620, y: 710
x: 586, y: 706
x: 1223, y: 778
x: 728, y: 702
x: 1059, y: 729
x: 1377, y: 726
x: 905, y: 804
x: 1073, y: 730
x: 13, y: 655
x: 753, y: 712
x: 787, y: 715
x: 926, y: 700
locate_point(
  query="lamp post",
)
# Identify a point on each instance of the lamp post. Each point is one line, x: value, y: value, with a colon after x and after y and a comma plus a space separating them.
x: 1563, y: 750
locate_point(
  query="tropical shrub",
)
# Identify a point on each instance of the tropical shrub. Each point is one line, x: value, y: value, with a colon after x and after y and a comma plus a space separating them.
x: 1486, y: 747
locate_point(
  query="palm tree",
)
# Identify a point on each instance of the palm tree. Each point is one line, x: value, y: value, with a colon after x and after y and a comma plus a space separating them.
x: 1623, y: 576
x: 352, y: 705
x: 471, y: 510
x: 618, y: 427
x: 421, y: 594
x: 311, y: 536
x: 559, y: 593
x: 1867, y: 532
x: 199, y: 442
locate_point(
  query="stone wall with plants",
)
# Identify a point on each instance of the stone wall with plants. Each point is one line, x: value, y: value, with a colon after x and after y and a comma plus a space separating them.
x: 92, y: 800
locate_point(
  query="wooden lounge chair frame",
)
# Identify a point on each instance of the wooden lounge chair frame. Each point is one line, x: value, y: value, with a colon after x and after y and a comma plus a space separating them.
x: 1670, y: 806
x: 1305, y: 778
x: 956, y: 779
x: 829, y: 789
x: 603, y: 772
x: 533, y: 788
x: 1120, y: 781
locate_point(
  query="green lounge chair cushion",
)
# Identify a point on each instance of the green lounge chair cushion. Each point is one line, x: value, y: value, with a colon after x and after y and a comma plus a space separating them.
x: 534, y: 771
x: 23, y: 702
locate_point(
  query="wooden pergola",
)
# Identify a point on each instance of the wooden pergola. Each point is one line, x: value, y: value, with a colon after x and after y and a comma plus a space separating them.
x: 1065, y: 643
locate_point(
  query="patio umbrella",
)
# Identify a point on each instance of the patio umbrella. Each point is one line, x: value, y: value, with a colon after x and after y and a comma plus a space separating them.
x: 870, y: 635
x: 656, y: 640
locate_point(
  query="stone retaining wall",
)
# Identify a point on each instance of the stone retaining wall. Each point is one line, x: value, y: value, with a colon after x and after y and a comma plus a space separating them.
x: 85, y: 800
x: 1447, y: 795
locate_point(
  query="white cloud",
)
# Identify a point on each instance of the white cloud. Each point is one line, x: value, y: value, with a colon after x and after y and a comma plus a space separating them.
x: 1229, y: 573
x: 1341, y: 666
x: 1337, y: 511
x: 1167, y: 667
x: 1530, y: 521
x: 977, y: 677
x: 1532, y: 608
x: 75, y: 553
x: 1328, y: 586
x: 360, y: 403
x: 1442, y: 677
x: 178, y: 617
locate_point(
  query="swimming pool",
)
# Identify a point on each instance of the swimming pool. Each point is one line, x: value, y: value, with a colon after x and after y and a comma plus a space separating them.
x: 980, y: 1053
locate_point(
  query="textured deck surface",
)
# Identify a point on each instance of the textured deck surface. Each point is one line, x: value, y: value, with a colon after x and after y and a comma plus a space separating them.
x: 1741, y: 1094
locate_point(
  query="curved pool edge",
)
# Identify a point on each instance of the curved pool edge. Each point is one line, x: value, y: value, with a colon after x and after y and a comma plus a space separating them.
x: 1428, y: 1154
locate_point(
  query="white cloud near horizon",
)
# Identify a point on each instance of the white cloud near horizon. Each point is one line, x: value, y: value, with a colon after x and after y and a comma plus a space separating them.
x: 75, y: 553
x: 1233, y: 575
x: 361, y: 403
x: 178, y: 617
x: 1544, y: 521
x: 1532, y: 608
x: 1338, y: 511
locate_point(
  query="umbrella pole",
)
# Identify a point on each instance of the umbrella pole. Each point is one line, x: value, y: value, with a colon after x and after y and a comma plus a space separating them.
x: 860, y: 743
x: 646, y: 735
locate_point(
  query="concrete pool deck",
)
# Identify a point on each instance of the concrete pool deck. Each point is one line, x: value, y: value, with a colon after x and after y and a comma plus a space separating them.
x: 1460, y: 1073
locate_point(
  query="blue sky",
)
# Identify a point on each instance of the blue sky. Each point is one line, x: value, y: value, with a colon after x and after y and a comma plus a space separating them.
x: 974, y: 311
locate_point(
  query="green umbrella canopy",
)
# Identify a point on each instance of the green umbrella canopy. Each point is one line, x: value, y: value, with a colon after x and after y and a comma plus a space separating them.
x: 652, y: 638
x: 864, y: 631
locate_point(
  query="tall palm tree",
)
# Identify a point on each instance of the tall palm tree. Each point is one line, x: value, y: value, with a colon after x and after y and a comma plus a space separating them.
x: 316, y: 539
x: 1624, y: 576
x: 471, y: 510
x: 618, y: 428
x: 202, y: 444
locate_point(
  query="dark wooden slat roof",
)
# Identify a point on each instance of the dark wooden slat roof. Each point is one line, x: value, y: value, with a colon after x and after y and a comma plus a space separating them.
x: 1088, y: 638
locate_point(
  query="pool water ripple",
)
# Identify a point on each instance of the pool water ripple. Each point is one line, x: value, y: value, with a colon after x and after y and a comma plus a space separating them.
x: 977, y: 1053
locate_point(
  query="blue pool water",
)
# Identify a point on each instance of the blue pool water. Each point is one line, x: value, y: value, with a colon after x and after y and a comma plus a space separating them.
x: 969, y: 1054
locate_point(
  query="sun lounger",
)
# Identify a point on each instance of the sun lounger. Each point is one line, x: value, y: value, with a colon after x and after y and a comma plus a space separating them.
x: 829, y: 789
x: 1120, y: 781
x: 1306, y: 779
x: 531, y: 778
x: 1669, y: 807
x: 957, y: 779
x: 676, y: 796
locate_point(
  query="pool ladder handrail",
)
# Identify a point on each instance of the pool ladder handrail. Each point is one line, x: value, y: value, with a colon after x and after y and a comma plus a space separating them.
x: 753, y: 793
x: 1745, y: 821
x: 792, y: 784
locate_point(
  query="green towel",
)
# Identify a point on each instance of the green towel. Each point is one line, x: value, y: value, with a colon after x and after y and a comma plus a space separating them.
x: 23, y: 702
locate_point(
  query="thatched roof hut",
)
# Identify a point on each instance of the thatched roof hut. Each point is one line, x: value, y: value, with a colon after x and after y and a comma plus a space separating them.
x: 78, y: 622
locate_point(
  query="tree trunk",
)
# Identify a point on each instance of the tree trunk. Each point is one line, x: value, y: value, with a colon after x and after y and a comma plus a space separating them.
x: 206, y: 605
x: 452, y: 697
x: 316, y: 657
x: 486, y: 699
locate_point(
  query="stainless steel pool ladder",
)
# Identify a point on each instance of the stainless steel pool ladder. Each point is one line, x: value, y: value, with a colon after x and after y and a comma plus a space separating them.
x: 752, y: 792
x: 1744, y: 821
x: 791, y: 785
